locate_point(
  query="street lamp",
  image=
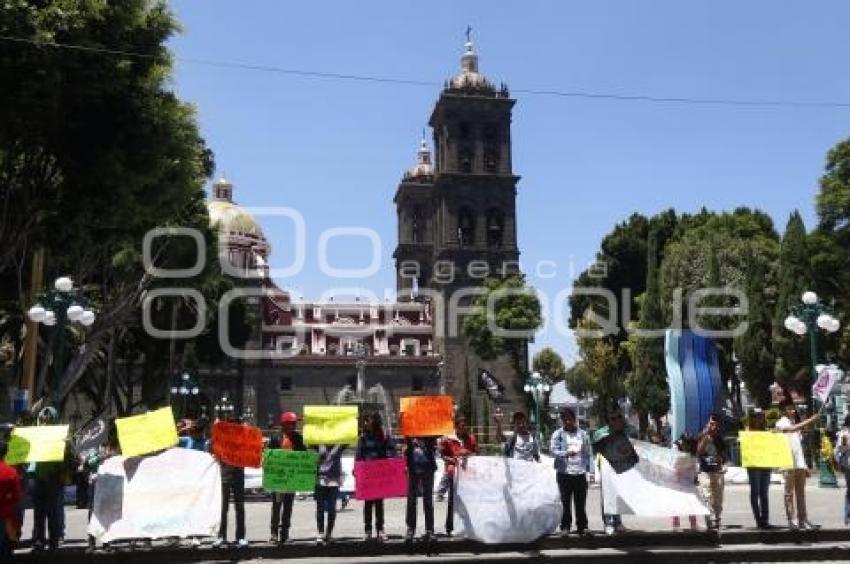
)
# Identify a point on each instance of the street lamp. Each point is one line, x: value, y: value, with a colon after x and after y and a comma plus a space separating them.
x: 809, y: 317
x: 185, y: 387
x: 57, y: 307
x: 536, y: 386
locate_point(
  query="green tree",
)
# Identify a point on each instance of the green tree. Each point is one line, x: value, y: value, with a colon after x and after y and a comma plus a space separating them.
x: 549, y: 363
x: 578, y: 380
x: 795, y: 277
x: 600, y: 363
x: 646, y: 386
x: 754, y: 348
x: 515, y: 308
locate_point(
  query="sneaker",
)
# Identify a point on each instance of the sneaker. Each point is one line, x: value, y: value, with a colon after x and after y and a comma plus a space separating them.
x: 793, y: 525
x: 196, y: 542
x: 283, y: 539
x: 217, y: 543
x: 273, y: 539
x: 429, y: 536
x: 320, y: 541
x: 367, y: 536
x: 242, y: 543
x: 448, y: 534
x: 565, y: 532
x: 609, y: 530
x: 808, y: 525
x: 381, y: 536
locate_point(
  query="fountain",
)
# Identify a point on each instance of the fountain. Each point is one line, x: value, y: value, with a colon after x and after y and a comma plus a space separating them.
x: 373, y: 399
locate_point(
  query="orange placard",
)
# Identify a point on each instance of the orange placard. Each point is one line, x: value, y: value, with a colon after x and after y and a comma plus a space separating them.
x: 237, y: 444
x: 427, y: 416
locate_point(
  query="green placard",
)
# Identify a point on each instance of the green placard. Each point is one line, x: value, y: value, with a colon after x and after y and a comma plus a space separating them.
x: 289, y: 470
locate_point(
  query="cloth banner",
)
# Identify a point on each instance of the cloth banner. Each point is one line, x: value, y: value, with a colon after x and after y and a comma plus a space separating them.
x: 661, y: 484
x: 290, y: 470
x: 89, y: 437
x: 503, y: 500
x: 765, y: 449
x: 237, y: 444
x: 828, y: 375
x: 427, y: 416
x: 176, y: 493
x: 330, y: 424
x: 45, y: 443
x: 380, y: 478
x: 146, y: 433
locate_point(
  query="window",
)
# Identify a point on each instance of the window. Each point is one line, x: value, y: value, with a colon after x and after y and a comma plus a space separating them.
x: 465, y: 227
x: 286, y: 384
x: 417, y: 385
x: 495, y: 228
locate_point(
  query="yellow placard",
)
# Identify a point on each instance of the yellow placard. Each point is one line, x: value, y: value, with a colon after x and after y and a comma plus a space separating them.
x: 330, y: 424
x: 765, y: 449
x: 37, y: 444
x: 146, y: 433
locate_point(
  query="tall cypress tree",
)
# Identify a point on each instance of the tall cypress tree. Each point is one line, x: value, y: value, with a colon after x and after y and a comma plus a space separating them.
x: 647, y: 385
x: 754, y: 348
x: 795, y: 277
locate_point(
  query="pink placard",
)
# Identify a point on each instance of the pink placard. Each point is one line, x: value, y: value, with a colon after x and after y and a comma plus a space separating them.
x: 380, y: 479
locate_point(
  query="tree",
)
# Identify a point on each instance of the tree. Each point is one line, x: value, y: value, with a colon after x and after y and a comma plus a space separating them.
x: 600, y: 369
x: 795, y: 277
x: 646, y: 386
x: 549, y: 363
x: 515, y: 308
x: 754, y: 348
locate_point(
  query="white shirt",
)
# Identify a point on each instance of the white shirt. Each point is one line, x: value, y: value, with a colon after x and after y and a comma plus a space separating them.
x: 525, y: 447
x: 795, y: 441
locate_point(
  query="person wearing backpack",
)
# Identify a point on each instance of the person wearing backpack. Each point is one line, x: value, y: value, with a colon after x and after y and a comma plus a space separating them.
x: 842, y: 458
x: 711, y: 452
x: 570, y: 445
x: 522, y: 444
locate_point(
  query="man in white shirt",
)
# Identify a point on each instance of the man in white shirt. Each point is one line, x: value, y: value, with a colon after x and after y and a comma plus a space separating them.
x: 570, y: 446
x: 795, y: 477
x: 522, y: 444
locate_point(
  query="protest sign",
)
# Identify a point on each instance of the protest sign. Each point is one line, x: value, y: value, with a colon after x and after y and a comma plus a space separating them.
x: 380, y: 478
x: 503, y: 500
x: 290, y: 470
x: 616, y: 448
x: 427, y: 416
x: 146, y: 433
x: 828, y: 375
x: 89, y: 437
x: 765, y: 449
x: 659, y: 485
x: 45, y: 443
x: 176, y: 493
x: 330, y: 424
x: 237, y: 444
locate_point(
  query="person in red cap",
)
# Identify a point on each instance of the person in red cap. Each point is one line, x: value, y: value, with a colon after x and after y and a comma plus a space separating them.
x: 288, y: 439
x: 11, y: 490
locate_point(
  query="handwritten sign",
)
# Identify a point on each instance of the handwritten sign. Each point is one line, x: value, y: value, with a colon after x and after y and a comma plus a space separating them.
x: 380, y: 479
x: 237, y: 444
x: 37, y: 444
x: 427, y: 416
x: 289, y: 470
x: 146, y: 433
x: 765, y: 449
x: 330, y: 424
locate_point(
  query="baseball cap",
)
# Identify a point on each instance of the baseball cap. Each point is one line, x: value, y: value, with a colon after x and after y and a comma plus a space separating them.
x: 288, y: 417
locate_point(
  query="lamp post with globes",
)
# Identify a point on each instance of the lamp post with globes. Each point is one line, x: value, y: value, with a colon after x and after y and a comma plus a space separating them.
x: 536, y: 386
x: 58, y: 307
x: 809, y: 317
x: 224, y: 408
x: 185, y: 387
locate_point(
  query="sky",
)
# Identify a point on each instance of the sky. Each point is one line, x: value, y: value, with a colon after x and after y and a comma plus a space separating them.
x: 333, y: 150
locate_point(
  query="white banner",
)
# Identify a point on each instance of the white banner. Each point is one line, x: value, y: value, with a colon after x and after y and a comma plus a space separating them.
x: 174, y: 494
x: 660, y: 485
x: 501, y: 500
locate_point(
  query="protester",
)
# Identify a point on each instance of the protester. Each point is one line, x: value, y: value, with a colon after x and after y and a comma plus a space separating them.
x: 570, y: 446
x: 686, y: 444
x: 48, y: 495
x: 92, y: 463
x: 522, y: 443
x: 374, y: 444
x: 232, y: 484
x: 842, y: 459
x: 711, y: 453
x: 454, y: 450
x: 612, y: 443
x: 281, y: 518
x: 795, y: 477
x: 327, y: 489
x: 11, y: 492
x: 759, y: 478
x: 421, y: 453
x: 192, y: 434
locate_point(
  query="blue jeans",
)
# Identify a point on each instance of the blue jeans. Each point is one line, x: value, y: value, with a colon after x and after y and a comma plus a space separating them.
x: 759, y: 485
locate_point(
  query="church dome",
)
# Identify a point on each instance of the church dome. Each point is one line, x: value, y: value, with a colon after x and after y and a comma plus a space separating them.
x: 469, y: 78
x: 423, y: 167
x: 227, y: 216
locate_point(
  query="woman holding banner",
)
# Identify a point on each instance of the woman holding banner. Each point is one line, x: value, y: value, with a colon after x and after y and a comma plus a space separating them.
x: 795, y: 478
x: 374, y: 444
x: 327, y: 489
x: 289, y: 439
x: 759, y: 478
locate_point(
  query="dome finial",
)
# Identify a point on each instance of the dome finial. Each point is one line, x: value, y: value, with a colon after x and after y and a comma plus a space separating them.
x: 423, y: 160
x: 223, y: 189
x: 469, y: 61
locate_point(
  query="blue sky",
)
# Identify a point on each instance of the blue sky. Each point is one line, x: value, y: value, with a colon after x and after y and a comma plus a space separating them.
x: 335, y: 149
